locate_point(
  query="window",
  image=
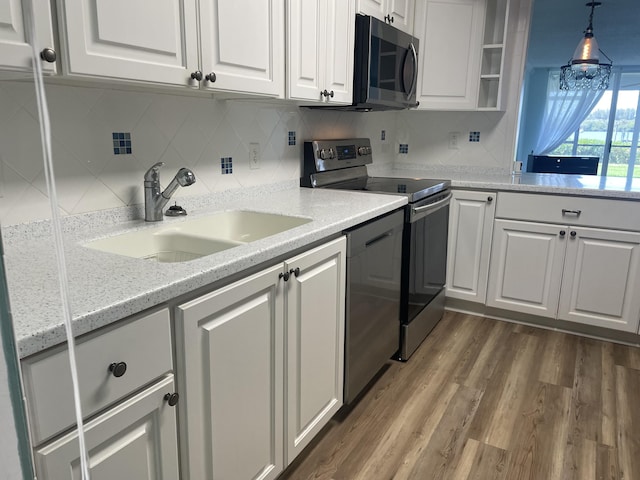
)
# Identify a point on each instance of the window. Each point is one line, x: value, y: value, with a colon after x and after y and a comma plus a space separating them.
x: 610, y: 131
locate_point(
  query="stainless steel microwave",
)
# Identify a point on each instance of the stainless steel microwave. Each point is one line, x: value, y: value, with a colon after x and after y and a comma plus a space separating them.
x: 386, y: 66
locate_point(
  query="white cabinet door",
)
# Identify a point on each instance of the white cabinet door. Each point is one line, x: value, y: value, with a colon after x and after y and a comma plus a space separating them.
x: 136, y: 439
x: 338, y: 49
x: 402, y: 14
x: 450, y: 33
x: 315, y: 341
x: 375, y: 8
x: 470, y: 233
x: 601, y: 279
x: 231, y: 343
x: 15, y: 51
x: 305, y: 66
x: 242, y: 45
x: 320, y: 50
x: 398, y: 13
x: 130, y: 39
x: 526, y: 267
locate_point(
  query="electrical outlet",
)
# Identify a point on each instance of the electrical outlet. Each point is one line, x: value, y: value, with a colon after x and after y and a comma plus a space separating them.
x: 454, y: 140
x: 254, y: 156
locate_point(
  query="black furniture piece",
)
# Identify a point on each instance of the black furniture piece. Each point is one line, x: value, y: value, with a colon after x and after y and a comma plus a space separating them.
x: 562, y: 164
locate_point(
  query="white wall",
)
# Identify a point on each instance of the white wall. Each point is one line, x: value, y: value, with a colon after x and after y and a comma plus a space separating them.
x: 179, y: 130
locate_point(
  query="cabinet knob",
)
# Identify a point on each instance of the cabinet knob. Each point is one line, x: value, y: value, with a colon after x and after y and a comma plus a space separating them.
x: 211, y: 77
x: 48, y: 55
x: 489, y: 199
x: 285, y: 275
x: 295, y: 271
x: 562, y: 233
x: 172, y: 399
x: 573, y: 234
x: 118, y: 369
x: 388, y: 18
x: 197, y: 75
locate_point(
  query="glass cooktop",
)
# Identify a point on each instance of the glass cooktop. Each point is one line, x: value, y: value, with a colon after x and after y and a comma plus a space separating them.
x: 414, y: 188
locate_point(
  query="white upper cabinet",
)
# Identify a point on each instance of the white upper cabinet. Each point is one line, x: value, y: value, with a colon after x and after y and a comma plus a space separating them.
x: 224, y: 45
x: 129, y: 39
x: 242, y: 44
x: 320, y: 50
x: 398, y: 13
x: 15, y: 51
x: 461, y: 54
x: 449, y: 64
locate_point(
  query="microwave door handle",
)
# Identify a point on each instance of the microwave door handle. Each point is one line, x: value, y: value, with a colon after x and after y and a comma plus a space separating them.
x: 414, y: 80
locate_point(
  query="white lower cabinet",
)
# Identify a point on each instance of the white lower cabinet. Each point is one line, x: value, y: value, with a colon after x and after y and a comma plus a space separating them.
x: 601, y: 279
x: 128, y: 397
x: 585, y: 275
x: 526, y: 267
x: 249, y: 352
x: 315, y: 309
x: 136, y: 439
x: 470, y: 232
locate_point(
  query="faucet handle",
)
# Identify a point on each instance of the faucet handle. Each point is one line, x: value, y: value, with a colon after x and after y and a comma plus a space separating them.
x: 151, y: 175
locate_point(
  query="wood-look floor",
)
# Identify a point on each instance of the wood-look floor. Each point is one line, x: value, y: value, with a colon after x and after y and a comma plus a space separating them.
x: 483, y: 399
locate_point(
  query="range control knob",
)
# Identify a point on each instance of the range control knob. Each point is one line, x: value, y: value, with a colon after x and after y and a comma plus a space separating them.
x: 364, y: 150
x: 323, y: 154
x: 332, y: 153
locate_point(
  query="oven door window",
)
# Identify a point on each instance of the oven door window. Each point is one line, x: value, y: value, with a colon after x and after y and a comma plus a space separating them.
x: 428, y: 266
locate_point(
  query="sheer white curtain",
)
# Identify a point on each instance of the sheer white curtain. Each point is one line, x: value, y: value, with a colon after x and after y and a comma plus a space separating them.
x: 564, y: 111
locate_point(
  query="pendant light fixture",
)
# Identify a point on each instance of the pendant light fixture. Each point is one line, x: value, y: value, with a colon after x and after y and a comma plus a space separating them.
x: 584, y: 70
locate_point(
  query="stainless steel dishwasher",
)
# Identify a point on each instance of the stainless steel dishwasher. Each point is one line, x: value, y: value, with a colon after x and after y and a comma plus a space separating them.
x: 374, y: 265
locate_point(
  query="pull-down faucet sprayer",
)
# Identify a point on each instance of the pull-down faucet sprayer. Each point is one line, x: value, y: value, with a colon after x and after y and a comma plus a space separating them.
x: 154, y: 199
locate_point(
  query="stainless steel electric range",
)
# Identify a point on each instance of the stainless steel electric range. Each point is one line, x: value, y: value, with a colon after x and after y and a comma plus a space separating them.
x: 342, y: 164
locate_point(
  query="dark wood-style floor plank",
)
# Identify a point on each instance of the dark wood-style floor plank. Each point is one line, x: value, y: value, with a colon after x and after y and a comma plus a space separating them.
x: 489, y: 400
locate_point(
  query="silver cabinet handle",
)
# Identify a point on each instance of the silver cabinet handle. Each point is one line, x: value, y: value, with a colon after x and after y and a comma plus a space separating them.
x: 571, y: 212
x: 433, y: 206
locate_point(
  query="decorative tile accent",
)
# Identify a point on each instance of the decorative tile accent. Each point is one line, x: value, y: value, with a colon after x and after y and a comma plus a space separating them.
x: 474, y: 136
x: 404, y: 148
x: 292, y: 138
x: 121, y: 143
x: 402, y: 188
x: 383, y: 135
x: 226, y: 165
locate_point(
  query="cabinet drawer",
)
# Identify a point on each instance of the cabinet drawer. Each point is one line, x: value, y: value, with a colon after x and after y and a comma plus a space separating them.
x: 144, y: 344
x: 570, y: 210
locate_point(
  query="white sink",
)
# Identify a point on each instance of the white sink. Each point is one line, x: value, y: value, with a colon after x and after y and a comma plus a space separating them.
x: 191, y: 239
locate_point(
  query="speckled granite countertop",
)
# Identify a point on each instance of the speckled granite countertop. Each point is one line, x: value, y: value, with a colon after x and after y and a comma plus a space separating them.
x: 105, y: 287
x: 496, y: 179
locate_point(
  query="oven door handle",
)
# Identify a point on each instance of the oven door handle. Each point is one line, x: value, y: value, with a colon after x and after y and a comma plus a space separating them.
x: 426, y: 209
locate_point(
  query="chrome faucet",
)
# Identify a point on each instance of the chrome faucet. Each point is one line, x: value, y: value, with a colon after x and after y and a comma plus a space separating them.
x: 154, y: 199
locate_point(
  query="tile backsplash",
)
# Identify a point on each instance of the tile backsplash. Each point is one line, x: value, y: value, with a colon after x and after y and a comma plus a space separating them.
x: 103, y: 140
